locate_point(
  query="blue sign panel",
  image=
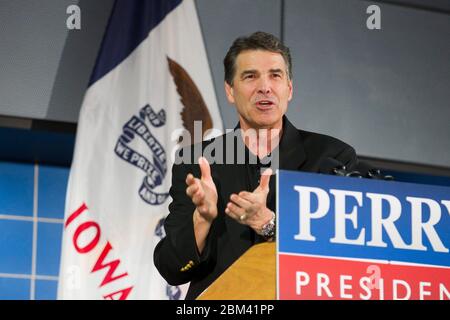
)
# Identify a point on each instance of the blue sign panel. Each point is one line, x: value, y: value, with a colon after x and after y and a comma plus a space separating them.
x: 363, y: 219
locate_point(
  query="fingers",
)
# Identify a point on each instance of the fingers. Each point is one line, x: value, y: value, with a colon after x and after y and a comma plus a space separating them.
x: 194, y: 190
x: 198, y: 198
x: 248, y: 196
x: 240, y: 201
x: 239, y: 207
x: 204, y: 168
x: 234, y: 211
x: 191, y: 190
x: 190, y: 179
x: 192, y: 184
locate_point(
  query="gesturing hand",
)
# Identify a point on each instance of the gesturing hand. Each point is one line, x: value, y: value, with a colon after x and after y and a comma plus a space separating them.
x: 203, y: 191
x: 250, y: 207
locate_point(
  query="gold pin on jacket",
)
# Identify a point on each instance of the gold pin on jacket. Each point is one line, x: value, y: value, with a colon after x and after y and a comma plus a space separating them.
x: 188, y: 266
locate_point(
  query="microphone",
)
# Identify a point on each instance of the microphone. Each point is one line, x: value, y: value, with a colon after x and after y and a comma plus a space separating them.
x: 370, y: 172
x: 361, y: 170
x: 332, y: 166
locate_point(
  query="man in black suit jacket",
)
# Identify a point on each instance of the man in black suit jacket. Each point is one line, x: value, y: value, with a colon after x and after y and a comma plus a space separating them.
x: 229, y: 207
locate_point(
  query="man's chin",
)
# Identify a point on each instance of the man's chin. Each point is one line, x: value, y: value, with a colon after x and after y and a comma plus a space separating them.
x: 268, y: 123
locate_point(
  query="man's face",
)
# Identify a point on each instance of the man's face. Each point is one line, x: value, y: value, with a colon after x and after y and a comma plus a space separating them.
x: 261, y: 89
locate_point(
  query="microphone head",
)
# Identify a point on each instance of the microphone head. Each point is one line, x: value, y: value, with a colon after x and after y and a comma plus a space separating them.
x: 370, y: 172
x: 354, y: 174
x: 363, y: 168
x: 332, y: 166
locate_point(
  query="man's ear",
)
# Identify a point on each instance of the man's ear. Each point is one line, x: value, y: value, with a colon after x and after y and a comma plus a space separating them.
x: 229, y: 93
x: 290, y: 85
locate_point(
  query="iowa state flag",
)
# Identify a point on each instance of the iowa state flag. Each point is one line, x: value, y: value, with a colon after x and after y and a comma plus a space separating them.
x: 151, y: 80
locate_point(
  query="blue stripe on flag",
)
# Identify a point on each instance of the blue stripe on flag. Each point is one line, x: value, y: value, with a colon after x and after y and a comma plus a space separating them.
x: 129, y: 24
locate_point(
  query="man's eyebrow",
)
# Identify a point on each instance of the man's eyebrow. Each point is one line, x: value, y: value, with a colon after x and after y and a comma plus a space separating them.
x: 251, y: 71
x: 254, y: 71
x: 276, y: 71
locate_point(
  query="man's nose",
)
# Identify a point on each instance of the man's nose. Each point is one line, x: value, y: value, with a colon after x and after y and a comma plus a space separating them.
x: 264, y: 85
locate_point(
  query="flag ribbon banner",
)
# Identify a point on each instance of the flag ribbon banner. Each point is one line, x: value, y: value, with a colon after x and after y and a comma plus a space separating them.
x: 154, y: 173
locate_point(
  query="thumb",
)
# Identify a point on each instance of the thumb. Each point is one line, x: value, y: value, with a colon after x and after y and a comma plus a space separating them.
x: 265, y: 178
x: 204, y: 168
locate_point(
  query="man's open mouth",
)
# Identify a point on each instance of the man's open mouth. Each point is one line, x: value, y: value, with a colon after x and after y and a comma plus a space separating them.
x: 265, y: 104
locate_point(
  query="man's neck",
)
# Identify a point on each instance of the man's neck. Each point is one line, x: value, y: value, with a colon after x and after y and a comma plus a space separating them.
x: 263, y: 141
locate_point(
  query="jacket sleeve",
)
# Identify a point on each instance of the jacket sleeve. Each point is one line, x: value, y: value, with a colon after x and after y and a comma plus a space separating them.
x: 176, y: 256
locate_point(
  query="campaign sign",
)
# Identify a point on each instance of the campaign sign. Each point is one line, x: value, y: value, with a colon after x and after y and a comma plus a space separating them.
x: 354, y: 238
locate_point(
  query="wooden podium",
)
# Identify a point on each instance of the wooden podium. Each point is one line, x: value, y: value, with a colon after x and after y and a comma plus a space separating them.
x: 251, y: 277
